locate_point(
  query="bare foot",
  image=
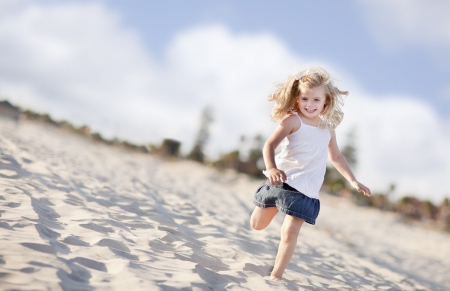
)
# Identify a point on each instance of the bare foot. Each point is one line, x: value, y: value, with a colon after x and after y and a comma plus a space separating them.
x: 274, y: 278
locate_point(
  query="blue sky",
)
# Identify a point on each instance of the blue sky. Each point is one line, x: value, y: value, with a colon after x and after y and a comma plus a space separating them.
x: 333, y: 31
x: 144, y: 70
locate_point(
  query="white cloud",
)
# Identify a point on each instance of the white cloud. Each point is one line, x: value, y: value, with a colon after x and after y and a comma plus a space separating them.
x: 78, y: 62
x: 400, y: 140
x: 400, y: 22
x: 233, y: 73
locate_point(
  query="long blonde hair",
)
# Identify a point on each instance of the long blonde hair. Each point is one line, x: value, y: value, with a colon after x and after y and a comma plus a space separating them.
x: 286, y: 95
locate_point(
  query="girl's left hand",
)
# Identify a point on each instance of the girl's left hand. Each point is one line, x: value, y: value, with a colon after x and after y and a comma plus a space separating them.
x: 361, y: 188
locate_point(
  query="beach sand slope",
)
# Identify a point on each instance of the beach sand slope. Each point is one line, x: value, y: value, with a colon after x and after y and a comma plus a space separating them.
x: 79, y: 215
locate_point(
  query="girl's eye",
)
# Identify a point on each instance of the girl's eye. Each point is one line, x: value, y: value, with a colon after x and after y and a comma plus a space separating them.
x: 317, y: 100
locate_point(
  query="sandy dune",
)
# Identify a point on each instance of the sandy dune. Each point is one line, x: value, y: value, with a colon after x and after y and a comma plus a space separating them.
x: 75, y: 215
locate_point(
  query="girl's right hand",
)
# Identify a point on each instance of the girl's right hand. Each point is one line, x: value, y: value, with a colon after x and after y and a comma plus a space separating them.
x: 276, y: 177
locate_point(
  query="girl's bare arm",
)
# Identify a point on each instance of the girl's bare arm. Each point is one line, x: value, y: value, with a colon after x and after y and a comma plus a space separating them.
x: 339, y: 162
x: 286, y: 126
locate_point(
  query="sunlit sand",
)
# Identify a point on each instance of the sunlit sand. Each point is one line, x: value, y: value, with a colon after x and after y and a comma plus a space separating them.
x: 80, y: 215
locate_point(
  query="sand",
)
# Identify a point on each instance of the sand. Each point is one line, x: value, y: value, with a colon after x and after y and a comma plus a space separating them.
x: 78, y: 215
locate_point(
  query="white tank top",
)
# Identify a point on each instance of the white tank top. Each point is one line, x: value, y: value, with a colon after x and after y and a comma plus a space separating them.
x: 303, y: 158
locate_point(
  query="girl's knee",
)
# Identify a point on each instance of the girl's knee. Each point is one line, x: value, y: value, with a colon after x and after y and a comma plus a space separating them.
x: 291, y: 228
x: 288, y: 233
x: 261, y: 217
x: 258, y: 226
x: 256, y: 223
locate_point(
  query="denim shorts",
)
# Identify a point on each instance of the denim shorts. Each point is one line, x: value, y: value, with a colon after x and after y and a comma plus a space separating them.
x: 288, y: 200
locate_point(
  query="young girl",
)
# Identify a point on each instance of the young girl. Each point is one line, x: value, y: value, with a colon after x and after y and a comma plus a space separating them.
x: 308, y: 105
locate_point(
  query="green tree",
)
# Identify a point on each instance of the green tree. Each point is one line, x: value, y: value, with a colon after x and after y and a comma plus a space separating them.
x: 349, y: 150
x: 255, y: 157
x: 198, y: 151
x: 333, y: 180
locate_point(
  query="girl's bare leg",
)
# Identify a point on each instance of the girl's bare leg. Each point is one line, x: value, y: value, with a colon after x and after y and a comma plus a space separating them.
x: 261, y: 217
x: 289, y: 233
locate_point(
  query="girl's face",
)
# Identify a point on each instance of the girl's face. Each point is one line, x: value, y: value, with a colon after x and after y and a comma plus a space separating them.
x: 311, y: 102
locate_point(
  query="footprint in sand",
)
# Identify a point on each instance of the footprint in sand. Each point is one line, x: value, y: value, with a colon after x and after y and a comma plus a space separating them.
x: 204, y: 259
x: 13, y: 205
x: 118, y: 248
x: 40, y: 248
x: 134, y: 208
x: 10, y: 168
x: 97, y: 228
x: 117, y: 224
x: 9, y: 174
x: 28, y: 270
x: 140, y: 225
x: 59, y: 247
x: 46, y: 232
x: 74, y: 200
x: 39, y: 264
x: 88, y: 263
x: 219, y: 281
x: 261, y: 270
x: 47, y: 215
x: 77, y: 276
x: 73, y: 240
x: 106, y: 242
x: 6, y: 225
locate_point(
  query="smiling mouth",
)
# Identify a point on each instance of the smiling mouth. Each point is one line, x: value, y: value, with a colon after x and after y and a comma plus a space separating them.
x: 310, y: 110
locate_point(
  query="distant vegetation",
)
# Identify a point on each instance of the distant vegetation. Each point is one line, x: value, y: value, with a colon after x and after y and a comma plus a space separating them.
x: 248, y: 159
x: 198, y: 151
x: 13, y: 112
x: 411, y: 209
